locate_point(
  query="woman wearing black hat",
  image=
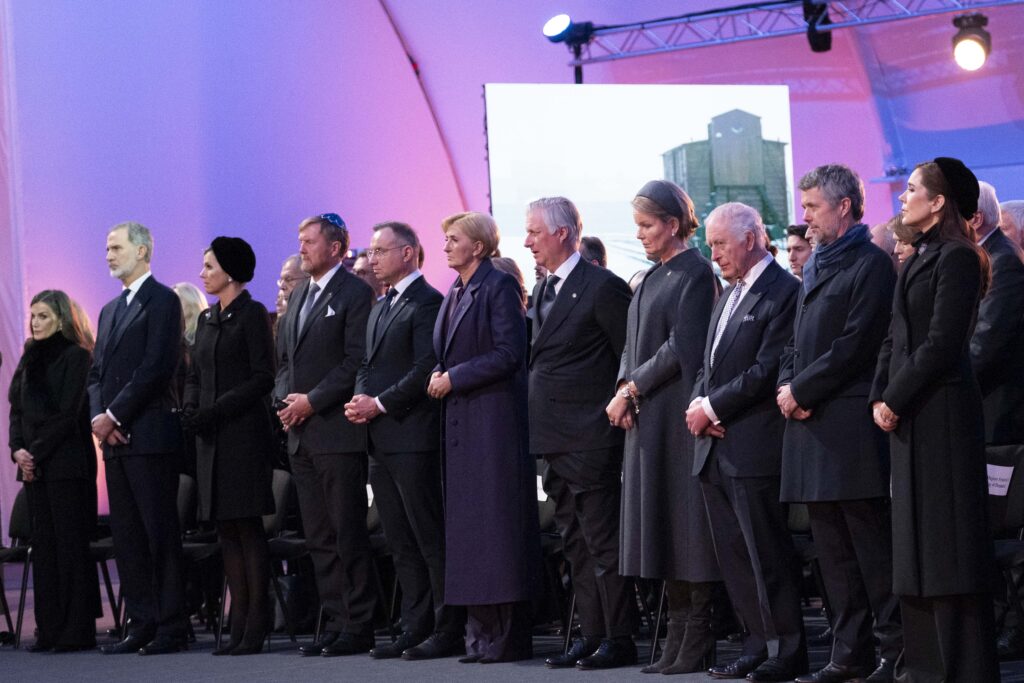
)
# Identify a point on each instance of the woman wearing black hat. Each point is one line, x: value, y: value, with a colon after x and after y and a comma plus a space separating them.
x: 229, y: 382
x: 925, y: 395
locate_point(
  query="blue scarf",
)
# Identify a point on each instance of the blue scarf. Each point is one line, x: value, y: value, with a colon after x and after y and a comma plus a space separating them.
x: 830, y: 254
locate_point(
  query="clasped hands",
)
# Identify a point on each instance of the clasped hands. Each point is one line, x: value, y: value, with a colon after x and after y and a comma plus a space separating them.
x: 698, y: 422
x: 361, y: 409
x: 440, y: 385
x: 297, y: 411
x: 107, y: 431
x: 791, y: 410
x: 886, y: 420
x: 26, y: 463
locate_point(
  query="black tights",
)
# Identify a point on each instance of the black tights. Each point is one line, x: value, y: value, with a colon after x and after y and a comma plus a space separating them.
x: 247, y: 568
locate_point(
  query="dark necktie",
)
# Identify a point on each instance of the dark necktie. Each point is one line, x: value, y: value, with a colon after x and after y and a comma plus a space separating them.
x: 547, y: 299
x: 307, y: 305
x: 120, y: 308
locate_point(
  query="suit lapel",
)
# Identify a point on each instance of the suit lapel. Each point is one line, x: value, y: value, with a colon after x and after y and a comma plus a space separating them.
x: 482, y: 271
x: 745, y: 306
x: 389, y: 314
x: 132, y: 312
x: 568, y: 296
x: 321, y: 304
x: 918, y: 261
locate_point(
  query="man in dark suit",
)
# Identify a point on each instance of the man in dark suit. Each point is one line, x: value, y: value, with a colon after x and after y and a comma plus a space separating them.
x: 834, y: 458
x: 404, y: 439
x: 995, y: 346
x: 739, y: 445
x: 132, y: 403
x: 321, y: 342
x: 579, y: 332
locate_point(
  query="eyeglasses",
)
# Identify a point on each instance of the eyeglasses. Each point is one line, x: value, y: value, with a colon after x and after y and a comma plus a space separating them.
x: 334, y: 219
x: 378, y: 252
x: 288, y: 280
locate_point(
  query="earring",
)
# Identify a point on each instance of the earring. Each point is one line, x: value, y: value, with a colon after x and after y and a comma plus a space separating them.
x: 229, y: 279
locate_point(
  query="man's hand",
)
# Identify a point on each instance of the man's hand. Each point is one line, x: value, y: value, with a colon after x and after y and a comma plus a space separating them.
x: 698, y: 422
x: 620, y: 412
x: 440, y: 385
x: 102, y: 426
x: 886, y: 420
x: 361, y: 409
x: 116, y: 438
x: 297, y: 411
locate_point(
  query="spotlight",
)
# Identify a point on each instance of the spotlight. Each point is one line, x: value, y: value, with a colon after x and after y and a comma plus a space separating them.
x: 972, y: 42
x: 562, y: 29
x: 816, y: 14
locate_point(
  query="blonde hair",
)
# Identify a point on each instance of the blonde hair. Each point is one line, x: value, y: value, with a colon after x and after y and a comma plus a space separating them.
x: 478, y: 227
x: 193, y: 302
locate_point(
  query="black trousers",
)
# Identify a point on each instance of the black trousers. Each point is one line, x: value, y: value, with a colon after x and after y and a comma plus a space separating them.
x: 143, y: 491
x: 949, y: 638
x: 587, y: 489
x: 758, y: 561
x: 407, y: 490
x: 854, y: 543
x: 64, y: 579
x: 331, y: 489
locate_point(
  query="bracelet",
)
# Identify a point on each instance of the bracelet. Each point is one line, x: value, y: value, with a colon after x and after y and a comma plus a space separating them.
x: 633, y: 399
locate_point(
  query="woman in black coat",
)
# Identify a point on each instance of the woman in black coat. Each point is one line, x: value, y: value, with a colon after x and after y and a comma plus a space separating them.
x: 228, y: 386
x: 51, y: 443
x: 665, y: 532
x: 492, y: 537
x: 926, y: 396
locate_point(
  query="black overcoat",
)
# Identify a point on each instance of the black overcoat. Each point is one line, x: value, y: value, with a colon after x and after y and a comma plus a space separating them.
x: 940, y: 534
x: 664, y: 530
x: 232, y: 372
x: 838, y: 453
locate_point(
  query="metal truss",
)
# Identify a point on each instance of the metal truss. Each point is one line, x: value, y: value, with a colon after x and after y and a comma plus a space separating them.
x: 755, y: 21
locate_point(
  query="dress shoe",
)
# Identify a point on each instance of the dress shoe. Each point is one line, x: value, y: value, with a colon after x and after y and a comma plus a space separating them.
x: 348, y: 644
x: 835, y: 673
x: 611, y: 654
x: 581, y: 647
x: 130, y: 645
x: 395, y: 649
x: 739, y: 668
x: 885, y: 673
x: 773, y: 670
x: 164, y: 645
x: 316, y: 648
x: 470, y: 659
x: 440, y: 644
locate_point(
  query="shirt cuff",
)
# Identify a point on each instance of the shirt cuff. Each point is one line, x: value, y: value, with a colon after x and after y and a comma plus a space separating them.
x: 380, y: 406
x: 111, y: 416
x: 705, y: 403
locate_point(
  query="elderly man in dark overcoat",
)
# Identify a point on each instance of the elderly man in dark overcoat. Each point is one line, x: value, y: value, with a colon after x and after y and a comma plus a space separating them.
x: 834, y: 458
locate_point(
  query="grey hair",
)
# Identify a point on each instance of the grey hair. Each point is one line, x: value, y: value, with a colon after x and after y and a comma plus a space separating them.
x: 139, y: 235
x: 293, y: 262
x: 988, y: 206
x: 739, y: 218
x: 837, y: 182
x: 1014, y: 207
x: 559, y: 212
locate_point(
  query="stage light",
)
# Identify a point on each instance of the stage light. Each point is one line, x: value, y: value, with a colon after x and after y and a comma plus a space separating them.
x: 562, y: 29
x: 816, y: 14
x: 556, y: 27
x: 972, y: 42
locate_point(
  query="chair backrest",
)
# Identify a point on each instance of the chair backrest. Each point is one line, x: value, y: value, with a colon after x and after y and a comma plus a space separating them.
x: 186, y: 502
x: 20, y: 526
x: 281, y: 486
x: 1006, y: 513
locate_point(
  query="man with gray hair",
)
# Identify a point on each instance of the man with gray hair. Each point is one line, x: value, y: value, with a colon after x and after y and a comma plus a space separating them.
x: 738, y: 447
x: 1011, y: 220
x: 578, y: 335
x: 131, y: 400
x: 834, y: 459
x: 995, y: 351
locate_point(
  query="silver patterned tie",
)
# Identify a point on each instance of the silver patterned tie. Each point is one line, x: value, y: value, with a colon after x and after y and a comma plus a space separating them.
x: 730, y: 306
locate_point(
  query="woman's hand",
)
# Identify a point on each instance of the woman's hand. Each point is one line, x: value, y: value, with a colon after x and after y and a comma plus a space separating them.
x: 886, y: 420
x: 26, y: 463
x: 440, y: 385
x: 620, y: 413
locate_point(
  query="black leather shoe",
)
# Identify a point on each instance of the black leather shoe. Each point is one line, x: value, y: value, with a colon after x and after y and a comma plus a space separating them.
x: 441, y: 644
x: 835, y: 673
x: 773, y: 670
x: 581, y: 647
x: 164, y: 645
x: 470, y: 659
x: 314, y: 649
x: 348, y: 644
x: 739, y: 668
x: 130, y: 645
x: 611, y: 654
x: 885, y: 673
x: 395, y: 649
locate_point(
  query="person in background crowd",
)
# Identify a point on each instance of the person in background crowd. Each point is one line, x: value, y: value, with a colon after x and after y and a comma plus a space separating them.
x: 321, y: 342
x: 507, y: 265
x: 51, y: 444
x: 1011, y: 220
x: 798, y: 247
x: 665, y: 532
x: 132, y: 400
x: 833, y: 457
x: 739, y: 446
x: 225, y: 410
x: 905, y: 236
x: 592, y: 250
x: 193, y: 303
x: 884, y: 237
x: 577, y: 343
x: 362, y: 270
x: 492, y: 536
x: 291, y: 276
x: 84, y: 325
x: 926, y: 396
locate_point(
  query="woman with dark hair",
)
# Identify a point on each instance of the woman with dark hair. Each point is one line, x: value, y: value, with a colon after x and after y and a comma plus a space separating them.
x: 492, y: 536
x: 52, y: 444
x: 228, y: 386
x: 926, y: 396
x: 665, y: 533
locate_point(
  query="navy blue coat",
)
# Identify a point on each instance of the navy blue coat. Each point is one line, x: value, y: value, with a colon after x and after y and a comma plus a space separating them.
x: 491, y: 530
